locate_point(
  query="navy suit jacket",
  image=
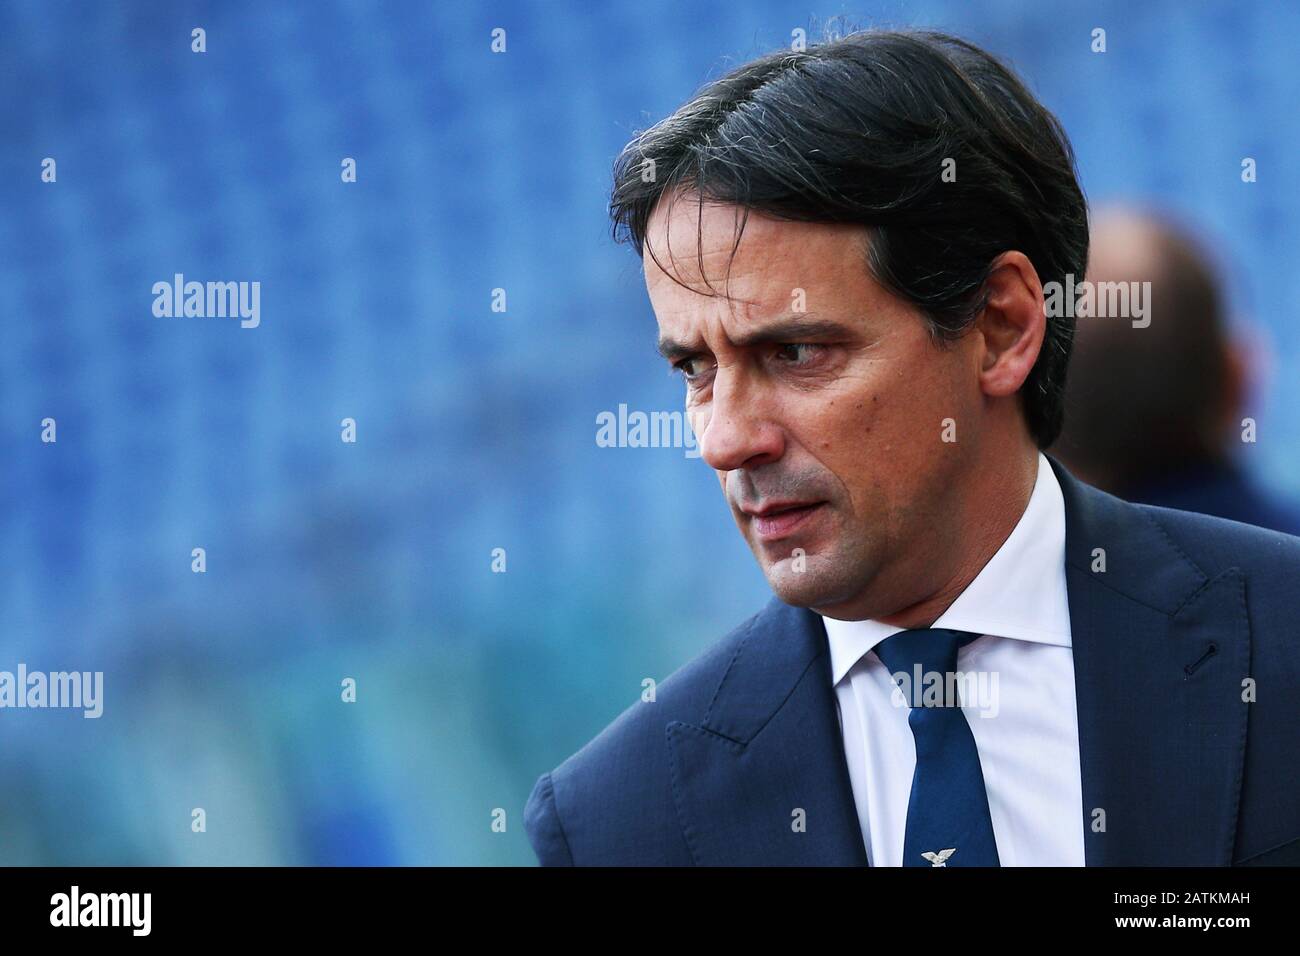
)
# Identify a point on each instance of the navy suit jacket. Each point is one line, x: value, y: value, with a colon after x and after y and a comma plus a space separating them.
x: 1186, y: 770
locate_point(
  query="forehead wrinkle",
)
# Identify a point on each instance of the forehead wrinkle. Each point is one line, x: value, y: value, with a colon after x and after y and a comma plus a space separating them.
x: 741, y: 310
x: 770, y: 327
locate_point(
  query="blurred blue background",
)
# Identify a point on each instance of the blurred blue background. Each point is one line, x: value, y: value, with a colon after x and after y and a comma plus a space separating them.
x: 475, y: 428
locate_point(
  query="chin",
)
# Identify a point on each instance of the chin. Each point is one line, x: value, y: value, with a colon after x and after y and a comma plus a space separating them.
x: 826, y: 582
x: 799, y: 588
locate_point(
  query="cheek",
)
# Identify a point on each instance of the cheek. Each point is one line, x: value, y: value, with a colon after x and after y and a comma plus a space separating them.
x: 912, y: 405
x: 867, y: 438
x: 840, y: 432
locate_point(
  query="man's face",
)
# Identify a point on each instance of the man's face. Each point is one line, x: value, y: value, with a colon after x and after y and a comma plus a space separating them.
x: 820, y: 400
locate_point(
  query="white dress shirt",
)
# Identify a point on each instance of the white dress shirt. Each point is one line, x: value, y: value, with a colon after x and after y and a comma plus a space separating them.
x: 1023, y: 716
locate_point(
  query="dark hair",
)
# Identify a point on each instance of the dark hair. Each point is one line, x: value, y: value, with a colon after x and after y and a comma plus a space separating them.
x: 856, y: 130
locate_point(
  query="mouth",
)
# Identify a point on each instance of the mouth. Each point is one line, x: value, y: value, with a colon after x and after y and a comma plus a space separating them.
x: 778, y: 519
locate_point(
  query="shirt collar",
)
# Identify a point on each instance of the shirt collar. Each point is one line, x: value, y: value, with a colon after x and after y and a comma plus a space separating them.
x: 1020, y: 593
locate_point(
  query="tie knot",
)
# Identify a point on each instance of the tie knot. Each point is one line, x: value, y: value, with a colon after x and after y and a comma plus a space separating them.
x: 921, y: 661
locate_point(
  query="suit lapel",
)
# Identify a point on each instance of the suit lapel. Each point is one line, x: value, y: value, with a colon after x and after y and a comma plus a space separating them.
x: 763, y: 780
x: 1160, y: 651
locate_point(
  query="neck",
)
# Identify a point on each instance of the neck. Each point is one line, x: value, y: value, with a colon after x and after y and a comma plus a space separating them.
x: 995, y: 512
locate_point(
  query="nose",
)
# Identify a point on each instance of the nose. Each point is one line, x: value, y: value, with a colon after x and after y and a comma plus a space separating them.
x: 738, y: 431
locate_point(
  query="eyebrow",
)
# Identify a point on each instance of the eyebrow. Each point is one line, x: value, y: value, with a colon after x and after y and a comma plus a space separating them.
x: 801, y: 329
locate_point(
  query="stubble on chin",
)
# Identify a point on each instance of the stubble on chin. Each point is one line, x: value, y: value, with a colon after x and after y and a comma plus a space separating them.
x: 828, y: 579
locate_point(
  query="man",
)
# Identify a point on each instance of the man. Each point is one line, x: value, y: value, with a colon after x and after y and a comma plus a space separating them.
x: 1177, y: 381
x: 972, y: 658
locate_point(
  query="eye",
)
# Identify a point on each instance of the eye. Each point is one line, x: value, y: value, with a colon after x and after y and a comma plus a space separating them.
x: 798, y: 353
x: 690, y: 368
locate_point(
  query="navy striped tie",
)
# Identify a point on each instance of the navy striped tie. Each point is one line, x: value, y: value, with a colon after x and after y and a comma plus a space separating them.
x: 948, y: 822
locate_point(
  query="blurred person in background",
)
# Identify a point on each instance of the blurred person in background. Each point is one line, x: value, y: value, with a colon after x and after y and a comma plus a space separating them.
x: 1152, y: 412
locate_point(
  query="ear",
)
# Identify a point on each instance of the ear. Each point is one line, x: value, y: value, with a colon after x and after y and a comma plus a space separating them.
x: 1012, y: 324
